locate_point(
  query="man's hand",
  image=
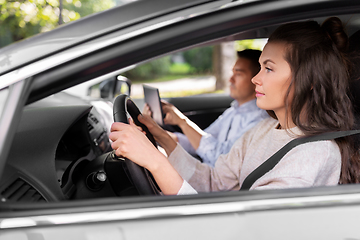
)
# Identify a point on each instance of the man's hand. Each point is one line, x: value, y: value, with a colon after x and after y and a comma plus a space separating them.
x: 172, y: 115
x: 189, y: 128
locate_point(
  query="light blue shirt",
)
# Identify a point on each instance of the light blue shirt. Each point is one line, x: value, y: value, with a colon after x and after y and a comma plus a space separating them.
x: 225, y: 130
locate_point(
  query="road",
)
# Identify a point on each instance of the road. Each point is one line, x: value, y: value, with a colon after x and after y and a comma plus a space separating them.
x: 199, y: 83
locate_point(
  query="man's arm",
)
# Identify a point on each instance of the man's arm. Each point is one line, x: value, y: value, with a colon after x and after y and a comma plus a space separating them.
x: 192, y: 132
x: 190, y: 129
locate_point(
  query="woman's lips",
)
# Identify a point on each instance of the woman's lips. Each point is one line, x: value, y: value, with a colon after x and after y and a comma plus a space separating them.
x: 259, y: 94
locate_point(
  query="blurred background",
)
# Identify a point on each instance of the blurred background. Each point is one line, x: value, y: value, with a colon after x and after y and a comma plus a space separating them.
x: 196, y: 71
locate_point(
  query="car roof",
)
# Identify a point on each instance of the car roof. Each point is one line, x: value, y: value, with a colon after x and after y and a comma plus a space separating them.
x: 88, y: 28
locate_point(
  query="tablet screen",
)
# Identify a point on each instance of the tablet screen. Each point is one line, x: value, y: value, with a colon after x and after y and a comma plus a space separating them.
x: 152, y: 98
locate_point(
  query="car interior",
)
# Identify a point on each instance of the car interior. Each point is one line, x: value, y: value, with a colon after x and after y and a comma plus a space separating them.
x: 61, y: 147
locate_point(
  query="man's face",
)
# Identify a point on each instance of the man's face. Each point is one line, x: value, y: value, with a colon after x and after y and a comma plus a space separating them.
x: 241, y: 87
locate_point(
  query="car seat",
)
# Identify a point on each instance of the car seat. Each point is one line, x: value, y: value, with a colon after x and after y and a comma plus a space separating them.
x: 354, y: 84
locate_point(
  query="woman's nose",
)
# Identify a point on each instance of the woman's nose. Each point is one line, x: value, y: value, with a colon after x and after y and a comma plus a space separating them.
x: 256, y: 79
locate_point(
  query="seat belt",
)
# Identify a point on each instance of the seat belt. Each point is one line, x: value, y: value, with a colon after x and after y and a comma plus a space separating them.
x: 271, y: 162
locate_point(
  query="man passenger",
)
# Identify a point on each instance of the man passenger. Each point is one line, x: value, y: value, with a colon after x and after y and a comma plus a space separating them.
x: 243, y: 114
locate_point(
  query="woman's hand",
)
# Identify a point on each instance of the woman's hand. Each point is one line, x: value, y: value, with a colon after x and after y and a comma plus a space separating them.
x: 153, y: 127
x: 146, y: 110
x: 172, y: 115
x: 130, y: 142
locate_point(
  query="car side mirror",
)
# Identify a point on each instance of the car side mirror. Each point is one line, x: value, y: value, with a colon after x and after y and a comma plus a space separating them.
x: 123, y: 86
x: 115, y: 86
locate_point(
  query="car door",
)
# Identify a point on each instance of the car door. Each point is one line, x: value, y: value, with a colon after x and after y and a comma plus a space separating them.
x: 288, y: 214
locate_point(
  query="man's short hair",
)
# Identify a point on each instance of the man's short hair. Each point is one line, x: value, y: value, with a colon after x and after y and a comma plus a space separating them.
x: 252, y: 55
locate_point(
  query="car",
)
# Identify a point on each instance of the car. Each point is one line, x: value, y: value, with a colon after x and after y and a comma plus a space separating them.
x: 58, y: 176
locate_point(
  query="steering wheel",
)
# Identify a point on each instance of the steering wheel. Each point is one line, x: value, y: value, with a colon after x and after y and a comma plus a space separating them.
x: 141, y: 177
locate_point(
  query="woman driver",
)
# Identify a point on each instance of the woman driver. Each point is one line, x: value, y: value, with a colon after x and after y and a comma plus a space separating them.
x: 303, y: 84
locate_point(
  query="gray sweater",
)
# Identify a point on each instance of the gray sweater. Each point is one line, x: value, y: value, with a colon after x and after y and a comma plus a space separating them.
x: 309, y: 164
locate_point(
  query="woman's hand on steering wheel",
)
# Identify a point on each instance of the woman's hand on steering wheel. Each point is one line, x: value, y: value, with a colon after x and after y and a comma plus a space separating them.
x: 130, y: 142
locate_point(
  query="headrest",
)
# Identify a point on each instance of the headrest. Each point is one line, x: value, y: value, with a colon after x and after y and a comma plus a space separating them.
x: 354, y: 57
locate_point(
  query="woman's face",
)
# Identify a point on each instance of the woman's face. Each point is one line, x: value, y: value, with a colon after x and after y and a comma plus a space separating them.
x: 273, y: 80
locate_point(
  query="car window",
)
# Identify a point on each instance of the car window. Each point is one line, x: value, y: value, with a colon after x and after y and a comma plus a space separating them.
x: 199, y: 70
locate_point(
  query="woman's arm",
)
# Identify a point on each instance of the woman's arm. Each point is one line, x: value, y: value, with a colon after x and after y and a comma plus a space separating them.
x: 204, y: 178
x: 161, y: 136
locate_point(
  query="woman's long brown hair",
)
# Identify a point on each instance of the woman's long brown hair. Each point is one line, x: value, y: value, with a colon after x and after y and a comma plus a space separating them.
x: 320, y: 79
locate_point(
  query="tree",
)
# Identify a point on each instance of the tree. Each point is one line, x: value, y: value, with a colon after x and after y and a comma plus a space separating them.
x: 200, y: 59
x: 223, y: 60
x: 150, y: 70
x: 250, y: 44
x: 225, y: 56
x: 22, y: 19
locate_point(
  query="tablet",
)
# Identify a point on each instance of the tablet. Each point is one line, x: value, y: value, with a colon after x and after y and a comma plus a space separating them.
x: 152, y: 98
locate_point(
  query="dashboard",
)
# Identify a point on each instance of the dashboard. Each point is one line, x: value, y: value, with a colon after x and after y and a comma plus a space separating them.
x: 53, y: 134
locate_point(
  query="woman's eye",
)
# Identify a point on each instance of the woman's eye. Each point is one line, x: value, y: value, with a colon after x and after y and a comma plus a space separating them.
x: 268, y: 69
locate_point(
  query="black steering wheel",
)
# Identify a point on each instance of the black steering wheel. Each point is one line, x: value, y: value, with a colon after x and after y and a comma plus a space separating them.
x: 141, y: 177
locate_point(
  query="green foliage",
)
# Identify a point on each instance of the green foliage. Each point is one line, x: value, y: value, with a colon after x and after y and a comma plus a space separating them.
x: 200, y: 59
x: 150, y: 70
x: 20, y: 19
x: 87, y: 7
x: 184, y: 93
x: 197, y: 61
x: 250, y: 44
x: 181, y: 68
